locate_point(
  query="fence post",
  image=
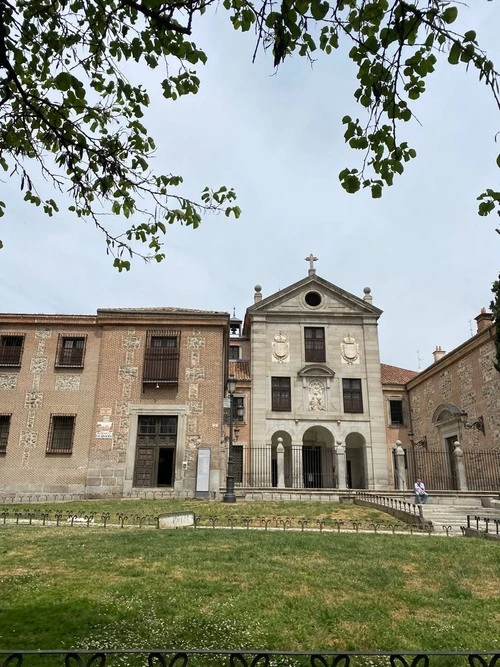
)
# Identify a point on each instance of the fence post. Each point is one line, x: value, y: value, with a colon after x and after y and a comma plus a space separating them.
x: 460, y: 467
x: 280, y: 452
x: 341, y: 464
x: 399, y: 455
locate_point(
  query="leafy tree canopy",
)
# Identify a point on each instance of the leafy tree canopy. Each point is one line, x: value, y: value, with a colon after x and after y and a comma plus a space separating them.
x: 68, y: 108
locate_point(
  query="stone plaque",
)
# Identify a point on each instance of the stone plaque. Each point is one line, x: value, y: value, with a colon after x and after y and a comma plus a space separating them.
x: 176, y: 520
x: 203, y: 473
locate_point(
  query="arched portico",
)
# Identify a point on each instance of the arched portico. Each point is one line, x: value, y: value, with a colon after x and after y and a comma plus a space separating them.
x: 317, y: 458
x: 355, y: 445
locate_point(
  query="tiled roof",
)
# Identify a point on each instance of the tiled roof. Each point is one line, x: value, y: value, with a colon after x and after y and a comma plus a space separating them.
x: 167, y: 309
x: 396, y: 375
x: 239, y: 369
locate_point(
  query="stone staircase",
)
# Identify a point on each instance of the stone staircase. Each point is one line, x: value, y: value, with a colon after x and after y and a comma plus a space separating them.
x: 456, y: 515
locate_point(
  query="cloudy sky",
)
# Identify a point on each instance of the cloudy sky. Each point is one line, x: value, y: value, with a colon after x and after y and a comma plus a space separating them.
x: 277, y: 138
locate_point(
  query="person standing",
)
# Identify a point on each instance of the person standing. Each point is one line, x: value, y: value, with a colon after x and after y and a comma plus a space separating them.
x: 421, y: 494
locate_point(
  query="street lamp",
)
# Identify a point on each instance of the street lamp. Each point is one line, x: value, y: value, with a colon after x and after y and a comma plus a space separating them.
x: 229, y: 496
x: 477, y: 424
x: 417, y: 443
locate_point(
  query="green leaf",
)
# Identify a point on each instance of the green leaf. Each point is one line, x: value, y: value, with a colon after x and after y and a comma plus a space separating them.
x: 455, y: 53
x: 450, y: 14
x: 63, y: 81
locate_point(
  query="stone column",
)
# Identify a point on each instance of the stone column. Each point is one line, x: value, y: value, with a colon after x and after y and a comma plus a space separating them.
x: 399, y: 456
x: 460, y: 467
x: 281, y: 463
x: 341, y: 464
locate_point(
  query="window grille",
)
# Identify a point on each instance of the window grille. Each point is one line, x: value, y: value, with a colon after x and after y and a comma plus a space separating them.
x: 4, y: 432
x: 353, y: 398
x: 314, y: 339
x: 11, y: 349
x: 281, y: 399
x: 70, y: 351
x: 161, y: 357
x: 396, y: 412
x: 61, y: 433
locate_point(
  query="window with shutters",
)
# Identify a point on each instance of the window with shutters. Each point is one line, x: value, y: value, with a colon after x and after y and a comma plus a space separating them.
x: 353, y: 398
x: 4, y: 432
x: 281, y: 398
x: 61, y: 434
x: 70, y: 351
x: 11, y: 349
x: 314, y: 340
x: 161, y: 357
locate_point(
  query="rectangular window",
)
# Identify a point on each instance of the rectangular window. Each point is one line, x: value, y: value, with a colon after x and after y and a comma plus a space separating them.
x: 11, y: 350
x: 314, y: 339
x: 4, y: 432
x: 238, y: 408
x: 353, y: 399
x: 161, y: 357
x: 234, y: 352
x: 61, y: 433
x: 70, y: 351
x: 396, y: 412
x: 281, y: 397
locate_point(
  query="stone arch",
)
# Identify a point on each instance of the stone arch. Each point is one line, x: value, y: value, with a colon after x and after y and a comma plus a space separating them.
x: 446, y: 412
x: 355, y: 449
x: 318, y: 470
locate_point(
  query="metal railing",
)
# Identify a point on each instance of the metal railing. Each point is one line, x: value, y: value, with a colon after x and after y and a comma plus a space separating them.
x: 438, y: 469
x: 304, y: 467
x: 248, y: 658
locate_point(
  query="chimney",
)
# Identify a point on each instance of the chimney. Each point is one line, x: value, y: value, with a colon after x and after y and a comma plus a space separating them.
x: 258, y: 294
x: 484, y: 320
x: 438, y: 353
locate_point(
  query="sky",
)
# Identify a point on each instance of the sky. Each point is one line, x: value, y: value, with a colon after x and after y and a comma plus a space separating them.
x: 277, y: 138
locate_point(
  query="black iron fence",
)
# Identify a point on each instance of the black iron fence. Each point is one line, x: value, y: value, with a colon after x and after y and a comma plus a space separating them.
x: 302, y: 467
x: 202, y: 658
x: 439, y: 469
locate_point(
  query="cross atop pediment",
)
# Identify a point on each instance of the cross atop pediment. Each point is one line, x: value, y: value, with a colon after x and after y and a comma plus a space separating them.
x: 311, y: 259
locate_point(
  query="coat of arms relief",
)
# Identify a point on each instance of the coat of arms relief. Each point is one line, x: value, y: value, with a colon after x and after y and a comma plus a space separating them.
x: 349, y: 350
x: 281, y: 348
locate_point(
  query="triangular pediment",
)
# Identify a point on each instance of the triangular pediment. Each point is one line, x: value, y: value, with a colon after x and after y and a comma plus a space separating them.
x: 299, y: 299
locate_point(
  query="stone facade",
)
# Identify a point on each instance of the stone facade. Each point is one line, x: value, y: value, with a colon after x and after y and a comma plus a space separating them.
x: 316, y: 426
x: 463, y: 380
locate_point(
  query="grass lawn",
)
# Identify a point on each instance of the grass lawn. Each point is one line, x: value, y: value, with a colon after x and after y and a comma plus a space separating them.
x: 329, y: 513
x: 82, y: 587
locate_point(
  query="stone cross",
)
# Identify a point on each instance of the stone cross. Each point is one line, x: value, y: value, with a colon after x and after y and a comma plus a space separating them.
x: 311, y: 259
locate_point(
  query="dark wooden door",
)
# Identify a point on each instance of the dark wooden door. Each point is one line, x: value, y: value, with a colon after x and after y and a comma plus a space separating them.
x: 155, y: 451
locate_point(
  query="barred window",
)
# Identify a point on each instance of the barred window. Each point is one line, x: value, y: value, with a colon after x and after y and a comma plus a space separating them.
x: 161, y: 357
x: 353, y: 398
x: 396, y: 412
x: 314, y: 339
x: 70, y: 351
x: 281, y: 397
x: 61, y: 433
x: 11, y: 349
x: 4, y: 432
x: 238, y: 403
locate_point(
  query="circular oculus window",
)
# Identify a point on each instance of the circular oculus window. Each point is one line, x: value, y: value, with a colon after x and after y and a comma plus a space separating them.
x: 313, y: 299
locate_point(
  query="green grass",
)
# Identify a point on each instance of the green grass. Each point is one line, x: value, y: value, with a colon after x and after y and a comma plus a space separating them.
x: 327, y: 512
x: 65, y: 587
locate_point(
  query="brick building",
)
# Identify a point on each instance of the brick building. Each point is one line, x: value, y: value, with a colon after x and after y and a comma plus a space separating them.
x: 103, y: 404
